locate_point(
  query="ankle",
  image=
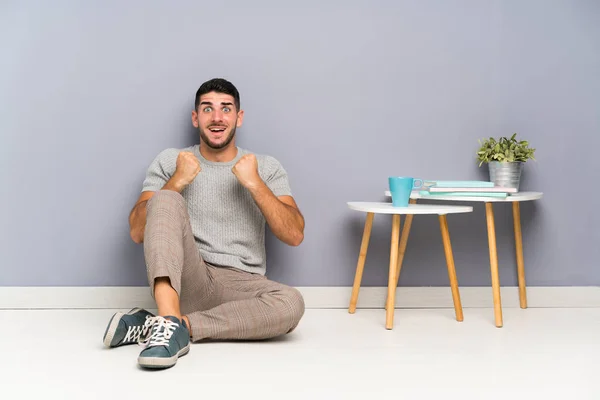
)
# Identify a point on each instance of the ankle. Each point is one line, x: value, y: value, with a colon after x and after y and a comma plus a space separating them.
x: 166, y: 297
x: 187, y: 324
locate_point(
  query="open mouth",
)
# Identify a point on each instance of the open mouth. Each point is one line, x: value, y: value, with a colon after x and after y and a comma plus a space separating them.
x: 217, y: 129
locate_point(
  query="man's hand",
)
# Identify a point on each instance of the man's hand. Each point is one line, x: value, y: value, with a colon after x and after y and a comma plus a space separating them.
x: 186, y: 170
x: 246, y: 171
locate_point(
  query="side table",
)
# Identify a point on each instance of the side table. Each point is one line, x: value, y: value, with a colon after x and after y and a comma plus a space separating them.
x: 398, y: 248
x: 515, y: 199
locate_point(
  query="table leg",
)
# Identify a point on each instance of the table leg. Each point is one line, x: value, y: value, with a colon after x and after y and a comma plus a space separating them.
x: 361, y: 262
x: 491, y: 228
x: 451, y: 269
x: 403, y: 241
x: 519, y: 251
x: 391, y: 295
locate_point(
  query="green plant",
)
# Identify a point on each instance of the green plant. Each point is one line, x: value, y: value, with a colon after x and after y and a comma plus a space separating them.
x: 504, y: 149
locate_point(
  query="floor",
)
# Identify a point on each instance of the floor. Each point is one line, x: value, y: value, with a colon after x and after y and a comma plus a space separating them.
x: 538, y: 354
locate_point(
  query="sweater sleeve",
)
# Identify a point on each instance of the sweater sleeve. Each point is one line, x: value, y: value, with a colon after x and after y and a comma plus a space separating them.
x: 160, y: 170
x: 276, y: 178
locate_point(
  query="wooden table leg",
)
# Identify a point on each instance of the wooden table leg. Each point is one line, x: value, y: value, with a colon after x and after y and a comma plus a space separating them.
x: 519, y: 251
x: 391, y: 295
x: 491, y: 228
x: 403, y: 241
x: 451, y: 269
x: 361, y: 262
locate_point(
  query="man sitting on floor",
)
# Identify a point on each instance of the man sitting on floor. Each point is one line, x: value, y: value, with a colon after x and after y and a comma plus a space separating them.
x: 201, y: 218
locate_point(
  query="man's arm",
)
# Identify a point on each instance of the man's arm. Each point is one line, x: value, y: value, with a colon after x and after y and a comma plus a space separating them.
x: 137, y: 217
x: 187, y: 168
x: 281, y: 213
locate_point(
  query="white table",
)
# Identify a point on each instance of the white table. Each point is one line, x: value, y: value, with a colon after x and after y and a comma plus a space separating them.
x: 515, y: 199
x: 398, y: 248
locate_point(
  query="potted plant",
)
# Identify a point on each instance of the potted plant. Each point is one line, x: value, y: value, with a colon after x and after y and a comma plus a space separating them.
x: 505, y: 158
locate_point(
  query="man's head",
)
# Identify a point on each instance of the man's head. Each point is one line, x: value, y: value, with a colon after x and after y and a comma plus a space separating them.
x: 217, y: 112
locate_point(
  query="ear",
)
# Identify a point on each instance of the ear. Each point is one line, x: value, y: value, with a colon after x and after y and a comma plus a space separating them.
x: 240, y: 118
x: 195, y: 119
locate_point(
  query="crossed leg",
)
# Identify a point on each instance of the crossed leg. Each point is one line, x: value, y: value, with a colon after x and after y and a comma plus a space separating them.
x: 217, y: 302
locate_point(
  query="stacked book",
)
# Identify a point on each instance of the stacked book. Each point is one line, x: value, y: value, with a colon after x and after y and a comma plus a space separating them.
x: 465, y: 188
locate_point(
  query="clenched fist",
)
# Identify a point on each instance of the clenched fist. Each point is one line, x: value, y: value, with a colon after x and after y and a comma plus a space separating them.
x: 246, y: 171
x: 187, y: 168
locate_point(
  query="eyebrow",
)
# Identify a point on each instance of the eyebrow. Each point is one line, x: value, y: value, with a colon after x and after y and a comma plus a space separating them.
x: 224, y: 103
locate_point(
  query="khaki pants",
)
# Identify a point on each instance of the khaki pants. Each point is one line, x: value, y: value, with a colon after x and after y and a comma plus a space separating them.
x: 220, y: 302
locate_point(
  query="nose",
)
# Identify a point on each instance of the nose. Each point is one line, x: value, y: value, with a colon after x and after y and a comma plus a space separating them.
x: 217, y: 115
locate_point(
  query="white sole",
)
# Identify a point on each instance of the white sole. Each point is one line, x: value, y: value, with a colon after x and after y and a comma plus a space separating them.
x: 112, y: 328
x: 114, y: 323
x: 163, y: 362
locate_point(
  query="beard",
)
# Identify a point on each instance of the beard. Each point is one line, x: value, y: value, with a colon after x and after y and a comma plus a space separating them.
x: 217, y: 146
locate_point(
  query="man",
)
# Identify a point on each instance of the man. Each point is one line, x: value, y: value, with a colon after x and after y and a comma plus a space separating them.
x: 201, y: 218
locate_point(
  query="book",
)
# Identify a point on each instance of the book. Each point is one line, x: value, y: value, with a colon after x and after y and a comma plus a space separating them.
x: 463, y: 194
x: 455, y: 184
x: 493, y: 189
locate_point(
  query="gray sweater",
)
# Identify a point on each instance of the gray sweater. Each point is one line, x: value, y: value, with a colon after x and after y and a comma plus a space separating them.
x: 228, y: 226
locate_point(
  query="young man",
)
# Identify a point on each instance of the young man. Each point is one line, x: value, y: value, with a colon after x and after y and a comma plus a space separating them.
x: 201, y: 218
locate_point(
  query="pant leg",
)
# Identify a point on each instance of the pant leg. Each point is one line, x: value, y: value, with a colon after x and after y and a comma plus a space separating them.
x: 221, y: 303
x: 250, y: 307
x: 170, y: 249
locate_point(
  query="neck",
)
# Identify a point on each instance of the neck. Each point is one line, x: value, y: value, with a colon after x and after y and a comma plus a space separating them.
x: 225, y: 154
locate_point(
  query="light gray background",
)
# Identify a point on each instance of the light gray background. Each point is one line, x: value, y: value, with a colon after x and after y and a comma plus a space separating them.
x: 343, y: 93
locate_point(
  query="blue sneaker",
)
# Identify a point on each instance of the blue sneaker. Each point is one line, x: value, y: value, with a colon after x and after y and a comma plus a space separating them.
x: 168, y: 340
x: 127, y: 328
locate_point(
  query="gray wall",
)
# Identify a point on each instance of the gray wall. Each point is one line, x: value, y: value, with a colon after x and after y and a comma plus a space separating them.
x: 344, y: 93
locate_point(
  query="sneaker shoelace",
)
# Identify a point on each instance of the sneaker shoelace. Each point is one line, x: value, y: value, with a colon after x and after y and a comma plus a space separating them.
x: 136, y: 332
x: 162, y: 330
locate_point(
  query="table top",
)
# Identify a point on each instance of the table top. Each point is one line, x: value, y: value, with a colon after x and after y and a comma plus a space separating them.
x: 388, y: 208
x: 520, y: 196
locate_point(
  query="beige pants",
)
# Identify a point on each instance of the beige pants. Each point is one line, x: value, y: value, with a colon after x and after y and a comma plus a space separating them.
x: 221, y: 303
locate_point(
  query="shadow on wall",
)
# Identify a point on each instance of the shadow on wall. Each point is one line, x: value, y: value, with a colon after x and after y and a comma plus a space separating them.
x: 133, y: 274
x: 424, y: 262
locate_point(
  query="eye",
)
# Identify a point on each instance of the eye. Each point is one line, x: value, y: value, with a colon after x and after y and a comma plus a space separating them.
x: 207, y: 109
x: 226, y: 109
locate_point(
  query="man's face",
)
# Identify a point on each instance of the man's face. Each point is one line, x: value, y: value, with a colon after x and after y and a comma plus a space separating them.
x: 217, y: 119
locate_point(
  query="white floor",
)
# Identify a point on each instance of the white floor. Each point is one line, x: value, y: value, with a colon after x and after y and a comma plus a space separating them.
x: 538, y: 354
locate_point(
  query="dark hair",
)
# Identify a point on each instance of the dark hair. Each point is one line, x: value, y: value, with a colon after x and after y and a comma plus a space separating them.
x: 218, y: 85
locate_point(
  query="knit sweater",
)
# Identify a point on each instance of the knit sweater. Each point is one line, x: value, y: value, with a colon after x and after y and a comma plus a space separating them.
x: 228, y: 226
